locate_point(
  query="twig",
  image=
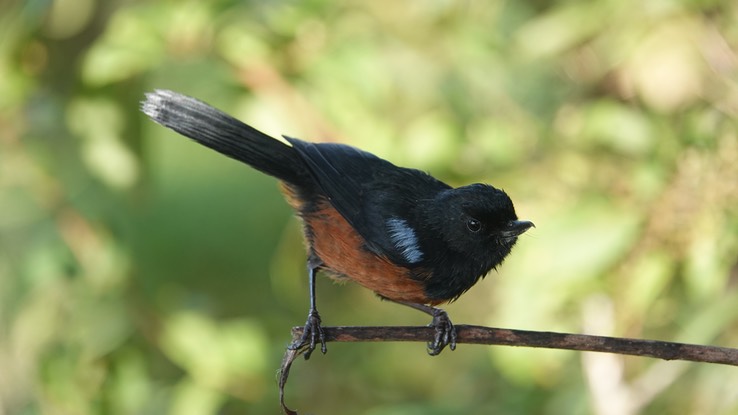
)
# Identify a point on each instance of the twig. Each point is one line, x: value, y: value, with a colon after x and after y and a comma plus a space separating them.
x: 507, y: 337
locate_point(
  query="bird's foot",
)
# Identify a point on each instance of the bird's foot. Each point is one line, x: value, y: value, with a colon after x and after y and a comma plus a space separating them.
x: 312, y: 334
x: 445, y: 333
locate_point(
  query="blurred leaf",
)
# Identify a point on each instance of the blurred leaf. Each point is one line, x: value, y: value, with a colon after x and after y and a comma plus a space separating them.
x: 131, y: 388
x: 215, y: 354
x: 560, y: 29
x: 429, y: 140
x: 69, y: 17
x: 619, y: 127
x: 665, y: 69
x: 132, y: 43
x: 647, y: 282
x: 194, y: 399
x: 99, y: 122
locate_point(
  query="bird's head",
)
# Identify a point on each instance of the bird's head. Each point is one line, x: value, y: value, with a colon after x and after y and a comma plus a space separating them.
x: 479, y: 221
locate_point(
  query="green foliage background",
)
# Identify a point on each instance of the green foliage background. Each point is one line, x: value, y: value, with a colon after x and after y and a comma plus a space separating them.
x: 143, y: 274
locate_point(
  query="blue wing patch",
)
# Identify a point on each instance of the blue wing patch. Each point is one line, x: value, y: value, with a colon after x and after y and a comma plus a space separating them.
x: 404, y: 239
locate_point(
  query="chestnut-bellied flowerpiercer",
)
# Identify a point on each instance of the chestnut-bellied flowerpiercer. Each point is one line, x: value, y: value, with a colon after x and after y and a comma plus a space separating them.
x: 399, y: 232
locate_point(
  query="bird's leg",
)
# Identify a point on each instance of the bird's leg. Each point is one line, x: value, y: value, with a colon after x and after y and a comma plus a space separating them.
x: 445, y: 330
x: 313, y: 330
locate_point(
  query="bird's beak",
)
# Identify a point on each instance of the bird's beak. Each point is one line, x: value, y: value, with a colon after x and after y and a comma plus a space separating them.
x: 516, y: 228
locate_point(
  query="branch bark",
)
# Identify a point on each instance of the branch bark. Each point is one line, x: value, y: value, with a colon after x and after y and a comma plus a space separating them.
x: 508, y: 337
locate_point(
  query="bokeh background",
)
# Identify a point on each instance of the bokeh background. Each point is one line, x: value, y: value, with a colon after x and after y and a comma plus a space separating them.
x: 143, y: 274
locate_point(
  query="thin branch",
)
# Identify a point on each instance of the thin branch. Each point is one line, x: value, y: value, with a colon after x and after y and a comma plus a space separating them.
x: 507, y: 337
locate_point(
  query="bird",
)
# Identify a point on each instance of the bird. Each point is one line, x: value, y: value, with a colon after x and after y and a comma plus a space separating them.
x: 403, y: 234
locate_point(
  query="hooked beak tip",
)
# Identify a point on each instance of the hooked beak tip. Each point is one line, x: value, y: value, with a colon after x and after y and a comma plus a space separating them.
x: 518, y: 227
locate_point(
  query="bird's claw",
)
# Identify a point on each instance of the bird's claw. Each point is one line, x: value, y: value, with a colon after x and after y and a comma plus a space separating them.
x: 445, y: 333
x: 312, y: 334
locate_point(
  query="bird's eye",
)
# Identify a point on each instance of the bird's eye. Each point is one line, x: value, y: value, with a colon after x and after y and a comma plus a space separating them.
x: 473, y: 225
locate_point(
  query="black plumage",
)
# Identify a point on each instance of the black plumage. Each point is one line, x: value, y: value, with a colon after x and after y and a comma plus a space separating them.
x: 398, y: 231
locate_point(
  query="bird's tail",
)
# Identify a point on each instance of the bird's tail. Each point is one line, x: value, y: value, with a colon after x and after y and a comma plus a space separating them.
x: 224, y: 134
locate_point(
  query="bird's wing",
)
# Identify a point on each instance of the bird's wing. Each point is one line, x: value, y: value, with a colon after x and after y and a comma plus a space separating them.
x: 376, y: 197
